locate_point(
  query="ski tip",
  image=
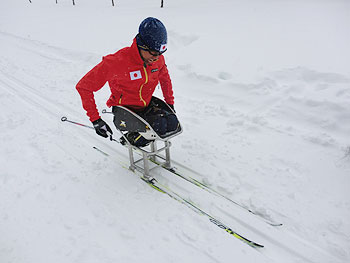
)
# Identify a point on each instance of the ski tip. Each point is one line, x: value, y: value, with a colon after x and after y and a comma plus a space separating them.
x: 63, y: 118
x: 277, y: 224
x: 256, y: 245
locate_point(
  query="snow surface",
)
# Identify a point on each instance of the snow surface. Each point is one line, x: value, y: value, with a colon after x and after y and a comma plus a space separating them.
x: 262, y: 89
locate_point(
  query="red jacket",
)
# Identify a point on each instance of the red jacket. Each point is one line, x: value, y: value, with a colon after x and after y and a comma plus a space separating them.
x: 131, y: 82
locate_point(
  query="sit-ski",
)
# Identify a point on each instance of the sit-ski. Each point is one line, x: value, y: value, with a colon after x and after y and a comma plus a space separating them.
x: 126, y: 120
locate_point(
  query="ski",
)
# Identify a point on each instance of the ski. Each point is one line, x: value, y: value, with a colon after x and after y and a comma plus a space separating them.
x: 152, y: 182
x: 166, y: 190
x: 206, y: 188
x: 213, y: 191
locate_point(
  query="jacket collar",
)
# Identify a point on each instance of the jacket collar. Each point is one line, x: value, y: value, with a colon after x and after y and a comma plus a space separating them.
x: 135, y: 53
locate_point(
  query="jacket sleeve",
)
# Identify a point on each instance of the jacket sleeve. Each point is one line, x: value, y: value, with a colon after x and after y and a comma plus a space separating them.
x: 93, y: 81
x: 166, y: 85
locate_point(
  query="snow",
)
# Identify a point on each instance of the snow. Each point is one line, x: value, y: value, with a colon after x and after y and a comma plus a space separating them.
x: 262, y: 89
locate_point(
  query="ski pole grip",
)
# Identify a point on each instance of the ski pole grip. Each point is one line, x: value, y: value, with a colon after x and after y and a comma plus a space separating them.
x: 63, y: 118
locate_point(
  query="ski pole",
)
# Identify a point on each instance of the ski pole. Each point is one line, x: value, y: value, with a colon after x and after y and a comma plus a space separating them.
x: 77, y: 123
x: 87, y: 126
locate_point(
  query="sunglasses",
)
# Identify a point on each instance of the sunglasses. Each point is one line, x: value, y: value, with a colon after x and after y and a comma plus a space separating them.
x: 152, y: 52
x: 155, y: 53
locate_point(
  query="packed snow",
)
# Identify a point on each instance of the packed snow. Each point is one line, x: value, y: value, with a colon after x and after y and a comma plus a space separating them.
x: 262, y: 89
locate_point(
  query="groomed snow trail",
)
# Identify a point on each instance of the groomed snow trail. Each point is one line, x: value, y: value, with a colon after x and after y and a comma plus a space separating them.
x: 67, y: 189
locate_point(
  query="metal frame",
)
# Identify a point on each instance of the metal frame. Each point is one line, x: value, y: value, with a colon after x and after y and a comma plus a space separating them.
x: 153, y: 155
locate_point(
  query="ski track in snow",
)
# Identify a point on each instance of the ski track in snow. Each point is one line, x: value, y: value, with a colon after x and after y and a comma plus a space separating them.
x: 47, y: 112
x: 290, y: 113
x: 250, y: 114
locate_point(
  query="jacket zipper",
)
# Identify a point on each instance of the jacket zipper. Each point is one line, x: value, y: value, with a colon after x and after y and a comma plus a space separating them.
x: 146, y: 81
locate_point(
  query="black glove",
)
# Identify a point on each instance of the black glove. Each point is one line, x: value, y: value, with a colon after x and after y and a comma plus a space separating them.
x: 172, y: 107
x: 102, y: 128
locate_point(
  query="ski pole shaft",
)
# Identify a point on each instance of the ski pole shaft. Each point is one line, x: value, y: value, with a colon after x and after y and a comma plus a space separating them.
x: 77, y: 123
x: 87, y: 126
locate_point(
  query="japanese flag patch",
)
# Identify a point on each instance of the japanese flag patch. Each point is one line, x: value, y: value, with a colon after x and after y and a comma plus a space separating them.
x: 135, y: 75
x: 163, y: 48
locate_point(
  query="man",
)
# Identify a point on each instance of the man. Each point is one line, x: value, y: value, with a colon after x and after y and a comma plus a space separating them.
x: 132, y: 74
